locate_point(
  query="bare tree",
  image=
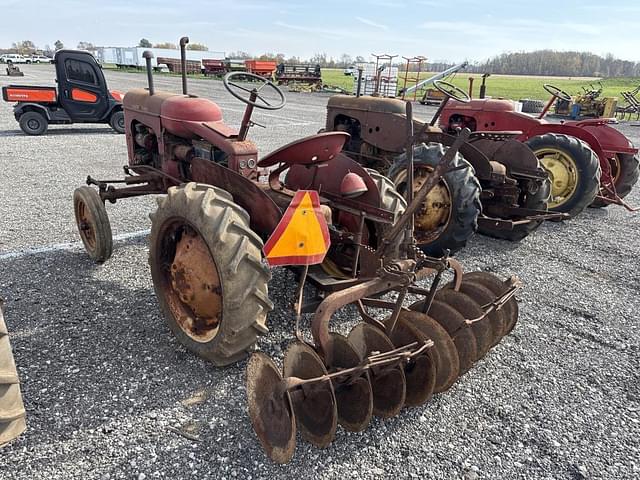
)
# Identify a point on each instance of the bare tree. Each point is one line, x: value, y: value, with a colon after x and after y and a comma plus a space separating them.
x: 86, y: 46
x: 59, y: 45
x: 197, y: 46
x: 240, y: 55
x: 25, y: 47
x: 169, y: 45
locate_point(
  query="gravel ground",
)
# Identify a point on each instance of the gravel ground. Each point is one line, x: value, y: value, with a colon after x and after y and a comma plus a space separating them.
x: 107, y: 388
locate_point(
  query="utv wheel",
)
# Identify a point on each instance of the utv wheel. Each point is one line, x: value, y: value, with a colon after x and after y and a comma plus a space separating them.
x: 536, y: 201
x: 625, y: 172
x: 449, y: 214
x: 117, y: 121
x: 574, y: 171
x: 33, y: 123
x: 93, y: 223
x: 12, y: 413
x: 207, y: 271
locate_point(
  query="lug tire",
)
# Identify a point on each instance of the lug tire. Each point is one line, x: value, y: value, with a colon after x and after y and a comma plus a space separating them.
x: 12, y: 413
x: 235, y: 249
x: 537, y: 201
x: 117, y: 121
x: 391, y: 200
x: 33, y: 123
x: 464, y: 189
x: 88, y: 205
x: 627, y: 178
x: 586, y: 162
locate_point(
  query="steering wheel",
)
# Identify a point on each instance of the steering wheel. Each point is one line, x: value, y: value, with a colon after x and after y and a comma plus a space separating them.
x: 452, y: 91
x: 254, y: 93
x: 556, y: 92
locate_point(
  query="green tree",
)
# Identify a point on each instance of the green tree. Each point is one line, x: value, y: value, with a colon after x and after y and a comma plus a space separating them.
x: 144, y: 43
x: 169, y: 45
x: 58, y: 45
x: 197, y: 46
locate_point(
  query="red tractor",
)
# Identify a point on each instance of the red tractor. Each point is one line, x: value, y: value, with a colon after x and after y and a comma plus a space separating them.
x: 589, y: 162
x: 210, y: 273
x: 81, y: 96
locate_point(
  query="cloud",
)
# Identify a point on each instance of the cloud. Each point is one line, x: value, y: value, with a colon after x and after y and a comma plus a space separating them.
x: 371, y: 23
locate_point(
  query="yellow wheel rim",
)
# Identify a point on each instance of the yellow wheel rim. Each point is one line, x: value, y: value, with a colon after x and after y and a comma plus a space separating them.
x: 614, y: 162
x: 563, y: 174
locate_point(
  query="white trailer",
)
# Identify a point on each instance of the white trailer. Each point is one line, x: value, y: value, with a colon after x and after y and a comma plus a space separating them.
x: 132, y: 56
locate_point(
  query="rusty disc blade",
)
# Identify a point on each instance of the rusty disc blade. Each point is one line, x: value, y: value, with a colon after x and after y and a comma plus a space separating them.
x: 470, y: 310
x: 420, y: 371
x: 388, y: 383
x: 444, y: 353
x: 498, y: 287
x: 483, y: 296
x: 270, y: 409
x: 453, y: 322
x: 314, y: 404
x: 353, y: 394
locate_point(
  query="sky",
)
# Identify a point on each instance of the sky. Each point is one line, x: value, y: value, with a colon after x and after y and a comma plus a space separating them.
x: 440, y: 30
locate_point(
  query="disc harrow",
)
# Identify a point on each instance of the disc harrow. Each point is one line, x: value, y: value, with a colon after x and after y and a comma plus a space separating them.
x: 380, y: 367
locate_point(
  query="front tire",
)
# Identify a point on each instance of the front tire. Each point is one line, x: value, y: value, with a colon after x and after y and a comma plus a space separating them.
x: 625, y: 171
x: 117, y: 121
x: 208, y: 274
x: 449, y: 215
x: 33, y: 123
x: 93, y: 223
x: 574, y: 171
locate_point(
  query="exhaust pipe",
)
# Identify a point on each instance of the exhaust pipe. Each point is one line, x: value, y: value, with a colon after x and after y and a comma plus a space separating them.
x: 183, y: 63
x: 148, y: 55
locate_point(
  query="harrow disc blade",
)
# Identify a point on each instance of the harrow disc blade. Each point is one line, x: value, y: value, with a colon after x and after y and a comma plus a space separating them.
x: 444, y: 353
x: 388, y: 384
x: 314, y: 404
x: 420, y: 372
x: 353, y: 394
x: 463, y: 338
x: 493, y: 283
x: 270, y: 408
x: 469, y: 309
x: 483, y: 296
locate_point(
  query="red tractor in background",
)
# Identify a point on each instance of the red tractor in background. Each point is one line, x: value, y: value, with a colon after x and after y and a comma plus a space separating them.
x: 589, y: 162
x: 81, y: 96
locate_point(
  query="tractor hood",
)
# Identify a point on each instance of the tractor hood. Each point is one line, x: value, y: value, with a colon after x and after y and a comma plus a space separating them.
x: 482, y: 104
x: 368, y: 104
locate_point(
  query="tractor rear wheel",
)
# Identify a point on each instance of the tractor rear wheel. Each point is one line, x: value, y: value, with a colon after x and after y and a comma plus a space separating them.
x: 93, y: 223
x: 535, y: 201
x: 207, y: 271
x: 117, y: 121
x: 449, y: 214
x: 574, y: 171
x: 12, y: 413
x: 625, y: 171
x: 33, y: 123
x: 391, y: 200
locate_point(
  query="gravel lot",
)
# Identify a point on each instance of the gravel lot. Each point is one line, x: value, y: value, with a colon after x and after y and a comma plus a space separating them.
x: 107, y: 387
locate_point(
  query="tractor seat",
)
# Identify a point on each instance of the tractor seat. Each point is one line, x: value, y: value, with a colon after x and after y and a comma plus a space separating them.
x: 307, y: 151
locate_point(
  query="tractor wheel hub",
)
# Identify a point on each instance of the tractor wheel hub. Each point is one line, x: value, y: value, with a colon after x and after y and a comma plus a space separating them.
x: 195, y: 279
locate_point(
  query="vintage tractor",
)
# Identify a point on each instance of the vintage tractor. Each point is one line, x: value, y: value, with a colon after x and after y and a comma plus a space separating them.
x: 12, y: 413
x: 207, y: 261
x: 505, y: 192
x: 590, y: 163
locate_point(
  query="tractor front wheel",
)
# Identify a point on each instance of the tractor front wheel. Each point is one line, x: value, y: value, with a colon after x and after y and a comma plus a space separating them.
x: 624, y: 171
x: 208, y: 273
x: 449, y: 214
x: 33, y: 123
x: 117, y: 121
x: 574, y: 171
x: 93, y: 223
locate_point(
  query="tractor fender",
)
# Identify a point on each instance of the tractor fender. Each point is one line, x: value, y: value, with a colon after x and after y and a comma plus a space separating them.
x: 573, y: 131
x: 516, y: 156
x: 23, y: 107
x: 611, y: 140
x: 263, y: 212
x: 476, y: 157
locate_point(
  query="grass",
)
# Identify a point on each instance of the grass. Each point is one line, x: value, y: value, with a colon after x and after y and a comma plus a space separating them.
x: 513, y: 87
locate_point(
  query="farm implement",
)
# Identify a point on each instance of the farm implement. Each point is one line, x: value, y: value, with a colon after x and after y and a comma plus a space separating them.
x: 344, y: 229
x: 589, y: 162
x: 497, y: 185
